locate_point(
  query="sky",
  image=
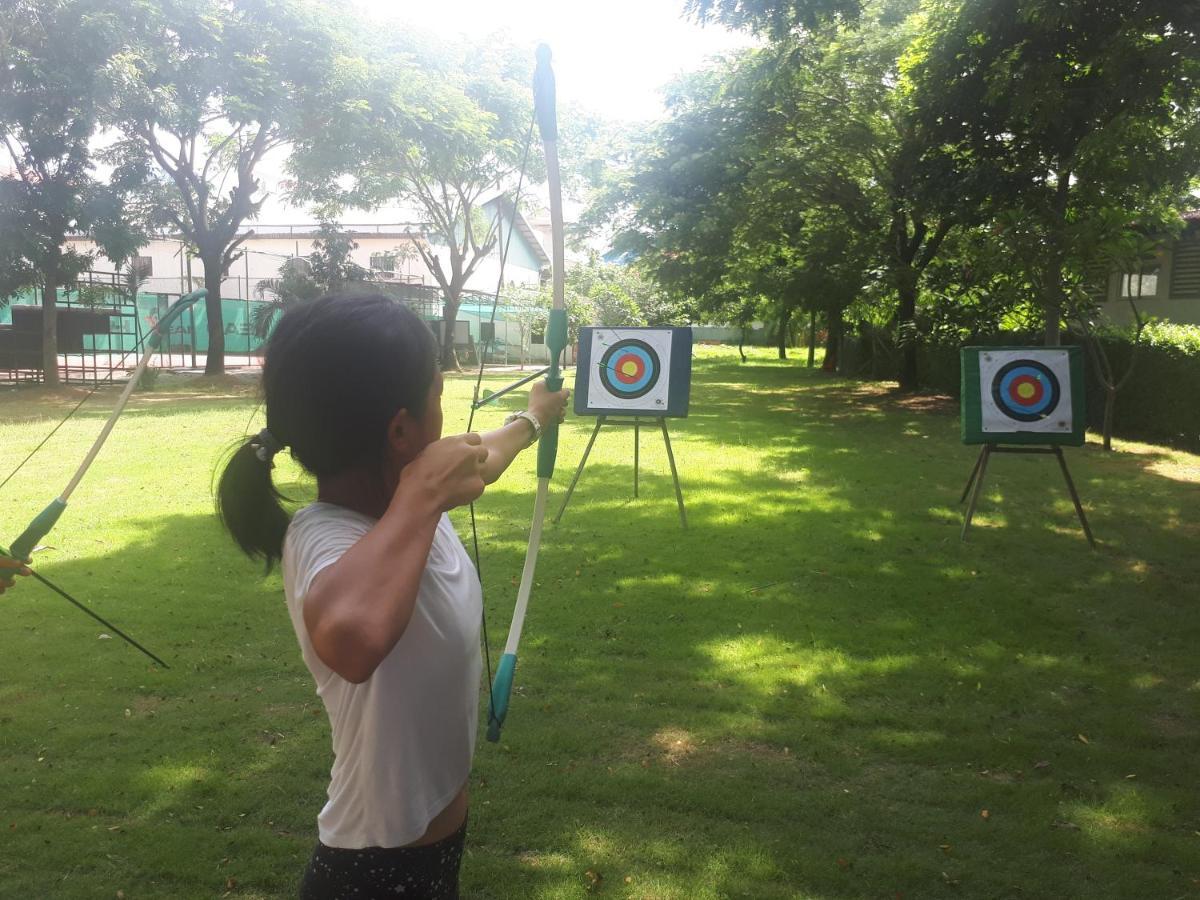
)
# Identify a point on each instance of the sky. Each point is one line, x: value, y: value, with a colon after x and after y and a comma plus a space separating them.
x: 611, y: 56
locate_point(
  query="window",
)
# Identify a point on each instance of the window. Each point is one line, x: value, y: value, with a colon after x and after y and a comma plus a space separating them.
x: 383, y: 262
x: 1139, y: 284
x: 487, y: 332
x: 538, y: 335
x: 144, y: 266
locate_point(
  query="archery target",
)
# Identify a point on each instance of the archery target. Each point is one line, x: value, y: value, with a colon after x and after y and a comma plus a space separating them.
x: 1025, y: 390
x: 630, y: 370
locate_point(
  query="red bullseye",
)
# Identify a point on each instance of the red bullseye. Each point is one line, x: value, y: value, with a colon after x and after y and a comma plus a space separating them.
x: 1026, y: 390
x: 629, y: 368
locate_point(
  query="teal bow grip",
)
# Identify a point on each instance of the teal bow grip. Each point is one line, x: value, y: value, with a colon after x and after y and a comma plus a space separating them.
x: 172, y: 315
x: 556, y: 342
x: 22, y: 547
x: 501, y: 691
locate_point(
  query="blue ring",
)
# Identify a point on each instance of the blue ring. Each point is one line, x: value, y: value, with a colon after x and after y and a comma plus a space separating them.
x: 1047, y: 391
x: 647, y: 371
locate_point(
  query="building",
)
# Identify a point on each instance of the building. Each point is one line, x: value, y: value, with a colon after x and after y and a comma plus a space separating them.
x: 386, y: 248
x: 1167, y: 287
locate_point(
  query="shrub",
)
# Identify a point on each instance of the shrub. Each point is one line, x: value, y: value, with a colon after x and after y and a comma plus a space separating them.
x: 1160, y: 403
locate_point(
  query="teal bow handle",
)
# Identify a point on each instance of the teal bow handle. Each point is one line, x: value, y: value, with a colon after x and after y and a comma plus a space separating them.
x: 556, y: 342
x: 43, y: 522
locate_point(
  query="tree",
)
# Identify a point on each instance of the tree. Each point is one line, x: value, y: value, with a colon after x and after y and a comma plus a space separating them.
x: 1056, y: 121
x: 328, y: 268
x: 529, y: 307
x: 51, y: 54
x: 774, y: 165
x: 206, y: 91
x: 1127, y: 255
x: 777, y: 18
x: 465, y: 152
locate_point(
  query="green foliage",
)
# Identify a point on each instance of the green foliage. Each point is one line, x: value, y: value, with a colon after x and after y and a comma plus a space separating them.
x: 777, y: 18
x: 202, y: 93
x: 52, y: 53
x: 1072, y: 129
x: 328, y: 268
x: 440, y: 128
x: 785, y: 180
x: 1177, y: 340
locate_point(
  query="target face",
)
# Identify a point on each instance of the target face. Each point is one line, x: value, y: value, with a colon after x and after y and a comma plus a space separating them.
x: 1026, y: 390
x: 630, y: 369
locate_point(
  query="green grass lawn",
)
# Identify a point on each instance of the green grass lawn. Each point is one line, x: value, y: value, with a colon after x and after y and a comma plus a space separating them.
x: 817, y: 691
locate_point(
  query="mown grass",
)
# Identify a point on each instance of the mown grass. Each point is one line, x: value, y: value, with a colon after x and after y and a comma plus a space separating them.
x: 815, y: 692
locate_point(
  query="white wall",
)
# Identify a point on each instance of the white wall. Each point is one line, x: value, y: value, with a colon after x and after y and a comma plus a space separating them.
x: 267, y: 252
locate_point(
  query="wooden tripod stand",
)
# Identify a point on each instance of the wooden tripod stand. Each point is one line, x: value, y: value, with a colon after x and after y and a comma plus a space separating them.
x: 980, y: 470
x: 636, y: 423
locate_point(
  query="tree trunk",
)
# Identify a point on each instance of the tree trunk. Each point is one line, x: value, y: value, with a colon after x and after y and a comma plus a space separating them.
x: 449, y: 316
x: 213, y: 274
x: 833, y: 341
x: 1052, y: 304
x: 742, y: 342
x: 50, y: 327
x: 812, y: 339
x: 785, y: 319
x: 906, y: 331
x: 1052, y: 287
x: 1110, y: 408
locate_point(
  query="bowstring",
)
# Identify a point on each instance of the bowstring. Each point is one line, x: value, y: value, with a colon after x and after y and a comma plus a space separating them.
x: 487, y: 653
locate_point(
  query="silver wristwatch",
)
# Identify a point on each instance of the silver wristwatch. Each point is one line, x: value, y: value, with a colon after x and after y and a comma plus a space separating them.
x: 528, y: 417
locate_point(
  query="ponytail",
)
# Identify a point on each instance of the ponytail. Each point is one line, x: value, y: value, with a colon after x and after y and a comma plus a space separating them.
x: 335, y: 373
x: 248, y: 503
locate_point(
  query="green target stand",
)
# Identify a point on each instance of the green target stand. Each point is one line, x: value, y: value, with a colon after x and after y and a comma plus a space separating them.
x: 1024, y: 400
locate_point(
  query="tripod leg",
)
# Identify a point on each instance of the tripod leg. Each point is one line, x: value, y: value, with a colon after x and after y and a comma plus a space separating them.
x: 674, y: 472
x: 583, y: 462
x: 1062, y: 461
x: 974, y: 472
x: 983, y: 462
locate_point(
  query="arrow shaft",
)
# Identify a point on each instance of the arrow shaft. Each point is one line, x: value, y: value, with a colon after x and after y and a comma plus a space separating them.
x: 103, y: 621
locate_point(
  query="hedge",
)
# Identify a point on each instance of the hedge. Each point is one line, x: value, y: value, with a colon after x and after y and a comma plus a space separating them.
x: 1160, y: 403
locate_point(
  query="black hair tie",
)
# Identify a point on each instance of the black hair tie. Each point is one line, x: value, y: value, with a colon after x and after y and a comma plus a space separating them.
x: 266, y: 445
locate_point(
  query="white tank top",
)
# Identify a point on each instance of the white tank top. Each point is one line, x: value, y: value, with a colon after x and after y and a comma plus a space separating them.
x: 404, y: 738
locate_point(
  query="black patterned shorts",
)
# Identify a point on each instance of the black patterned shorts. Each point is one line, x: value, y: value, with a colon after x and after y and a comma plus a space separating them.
x: 409, y: 873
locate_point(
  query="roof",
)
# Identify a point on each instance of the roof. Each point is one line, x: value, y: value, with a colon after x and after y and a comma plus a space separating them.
x: 531, y: 238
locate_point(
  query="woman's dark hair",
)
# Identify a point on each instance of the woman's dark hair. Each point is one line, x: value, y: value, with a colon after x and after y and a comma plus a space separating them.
x: 336, y: 372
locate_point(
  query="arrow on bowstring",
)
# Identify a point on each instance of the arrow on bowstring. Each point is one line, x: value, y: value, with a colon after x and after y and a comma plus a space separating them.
x: 44, y: 521
x: 500, y: 689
